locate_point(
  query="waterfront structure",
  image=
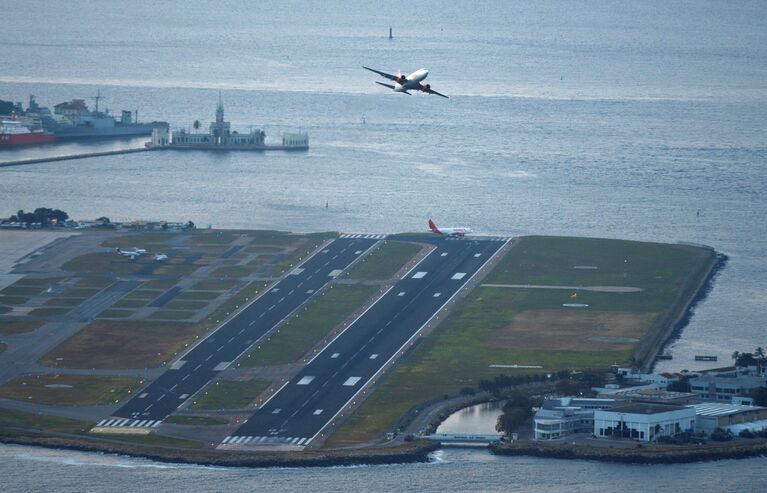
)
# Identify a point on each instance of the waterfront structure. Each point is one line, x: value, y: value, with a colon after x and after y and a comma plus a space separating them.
x: 723, y: 386
x: 220, y: 136
x: 712, y: 415
x: 643, y: 422
x: 564, y: 416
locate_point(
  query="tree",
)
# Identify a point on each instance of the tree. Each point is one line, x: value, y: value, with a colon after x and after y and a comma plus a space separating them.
x: 736, y: 355
x: 746, y: 359
x: 196, y: 124
x: 759, y: 395
x: 759, y: 353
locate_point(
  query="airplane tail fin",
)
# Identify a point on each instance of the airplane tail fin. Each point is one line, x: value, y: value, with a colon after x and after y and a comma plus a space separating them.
x: 433, y: 226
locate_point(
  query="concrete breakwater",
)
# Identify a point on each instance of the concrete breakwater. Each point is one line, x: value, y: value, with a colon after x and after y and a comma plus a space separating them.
x: 640, y: 454
x: 409, y: 452
x: 67, y: 157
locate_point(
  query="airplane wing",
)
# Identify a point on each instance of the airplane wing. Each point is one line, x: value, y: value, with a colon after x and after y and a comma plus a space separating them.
x: 432, y: 91
x: 391, y: 87
x: 382, y: 74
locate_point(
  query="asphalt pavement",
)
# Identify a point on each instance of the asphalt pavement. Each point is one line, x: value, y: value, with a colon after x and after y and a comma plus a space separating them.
x: 300, y: 411
x: 188, y: 374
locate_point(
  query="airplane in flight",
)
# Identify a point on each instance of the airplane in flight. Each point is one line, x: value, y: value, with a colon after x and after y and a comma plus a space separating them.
x: 460, y: 232
x: 410, y: 83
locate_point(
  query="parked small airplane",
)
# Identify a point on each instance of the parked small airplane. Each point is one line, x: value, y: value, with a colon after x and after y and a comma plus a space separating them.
x: 448, y: 231
x: 160, y: 257
x: 410, y: 83
x: 131, y: 253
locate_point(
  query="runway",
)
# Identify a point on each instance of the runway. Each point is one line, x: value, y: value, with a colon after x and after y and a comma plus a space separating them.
x: 215, y: 353
x: 300, y: 411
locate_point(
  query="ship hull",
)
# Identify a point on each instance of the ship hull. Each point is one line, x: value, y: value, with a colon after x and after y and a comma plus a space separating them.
x: 13, y: 140
x: 103, y: 133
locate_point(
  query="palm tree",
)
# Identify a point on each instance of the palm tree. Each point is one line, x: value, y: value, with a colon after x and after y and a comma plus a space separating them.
x: 759, y: 353
x: 736, y: 355
x: 196, y: 124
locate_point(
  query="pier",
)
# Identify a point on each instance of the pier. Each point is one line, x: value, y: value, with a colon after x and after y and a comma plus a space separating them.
x: 67, y: 157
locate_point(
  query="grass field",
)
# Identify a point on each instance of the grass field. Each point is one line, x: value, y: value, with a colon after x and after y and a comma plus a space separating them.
x: 305, y: 330
x: 102, y: 262
x: 115, y: 344
x: 161, y: 283
x: 531, y: 326
x: 171, y: 315
x: 185, y: 305
x: 149, y: 241
x: 69, y: 390
x: 182, y: 419
x: 383, y: 262
x: 49, y: 312
x: 13, y: 327
x: 13, y: 300
x: 153, y: 439
x: 63, y: 302
x: 229, y: 394
x: 198, y: 295
x: 15, y: 290
x: 215, y: 285
x: 94, y: 282
x: 2, y: 347
x: 115, y: 313
x: 18, y: 419
x: 128, y: 303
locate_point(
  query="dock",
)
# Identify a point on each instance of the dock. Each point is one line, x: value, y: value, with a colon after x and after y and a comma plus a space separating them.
x: 67, y: 157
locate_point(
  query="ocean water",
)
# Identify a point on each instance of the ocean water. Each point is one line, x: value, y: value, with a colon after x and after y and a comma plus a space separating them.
x: 641, y: 120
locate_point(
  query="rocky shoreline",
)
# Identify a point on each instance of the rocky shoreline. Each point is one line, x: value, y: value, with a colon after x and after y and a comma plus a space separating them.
x: 645, y: 455
x: 417, y: 451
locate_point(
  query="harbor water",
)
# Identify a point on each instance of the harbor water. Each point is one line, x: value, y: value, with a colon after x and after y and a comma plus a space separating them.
x: 639, y: 120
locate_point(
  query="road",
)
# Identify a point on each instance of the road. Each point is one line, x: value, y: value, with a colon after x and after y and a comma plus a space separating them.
x: 309, y: 402
x: 187, y: 375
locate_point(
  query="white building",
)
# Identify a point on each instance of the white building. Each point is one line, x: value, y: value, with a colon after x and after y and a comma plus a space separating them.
x: 643, y: 422
x: 565, y: 416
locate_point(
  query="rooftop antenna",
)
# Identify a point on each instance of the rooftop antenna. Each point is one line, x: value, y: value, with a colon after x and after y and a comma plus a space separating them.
x: 390, y: 36
x: 97, y: 97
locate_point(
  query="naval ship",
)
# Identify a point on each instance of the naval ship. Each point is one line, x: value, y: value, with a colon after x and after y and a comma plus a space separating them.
x: 75, y: 120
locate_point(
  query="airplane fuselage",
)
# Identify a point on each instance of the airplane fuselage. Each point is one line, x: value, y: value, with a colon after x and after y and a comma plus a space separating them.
x: 412, y: 82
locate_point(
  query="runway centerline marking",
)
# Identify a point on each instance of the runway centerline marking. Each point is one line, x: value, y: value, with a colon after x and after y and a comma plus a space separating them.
x: 317, y: 412
x: 458, y: 276
x: 335, y: 355
x: 373, y: 356
x: 305, y: 380
x: 401, y: 293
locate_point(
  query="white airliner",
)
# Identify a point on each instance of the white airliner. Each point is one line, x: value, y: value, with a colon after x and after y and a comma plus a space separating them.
x: 131, y: 253
x: 448, y: 231
x: 410, y: 83
x: 160, y: 257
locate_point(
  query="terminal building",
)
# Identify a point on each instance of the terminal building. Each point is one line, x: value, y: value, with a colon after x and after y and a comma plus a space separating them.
x: 564, y: 416
x: 643, y: 422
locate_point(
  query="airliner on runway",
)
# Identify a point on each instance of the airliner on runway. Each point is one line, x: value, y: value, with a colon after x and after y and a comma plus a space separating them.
x: 448, y: 231
x: 410, y: 83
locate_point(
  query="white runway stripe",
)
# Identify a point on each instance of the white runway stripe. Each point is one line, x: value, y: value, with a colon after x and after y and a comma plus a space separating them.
x: 226, y: 440
x: 101, y: 423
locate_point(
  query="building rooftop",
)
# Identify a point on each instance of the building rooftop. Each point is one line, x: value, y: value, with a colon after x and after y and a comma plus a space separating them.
x: 645, y: 408
x: 717, y: 409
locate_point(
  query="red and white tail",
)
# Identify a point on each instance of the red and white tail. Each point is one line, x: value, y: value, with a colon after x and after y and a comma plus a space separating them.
x: 434, y: 228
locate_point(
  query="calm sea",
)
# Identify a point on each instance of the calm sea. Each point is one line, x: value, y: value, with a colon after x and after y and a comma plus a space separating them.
x: 642, y: 120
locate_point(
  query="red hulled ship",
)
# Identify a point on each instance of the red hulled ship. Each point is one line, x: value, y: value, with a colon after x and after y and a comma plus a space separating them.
x: 15, y: 133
